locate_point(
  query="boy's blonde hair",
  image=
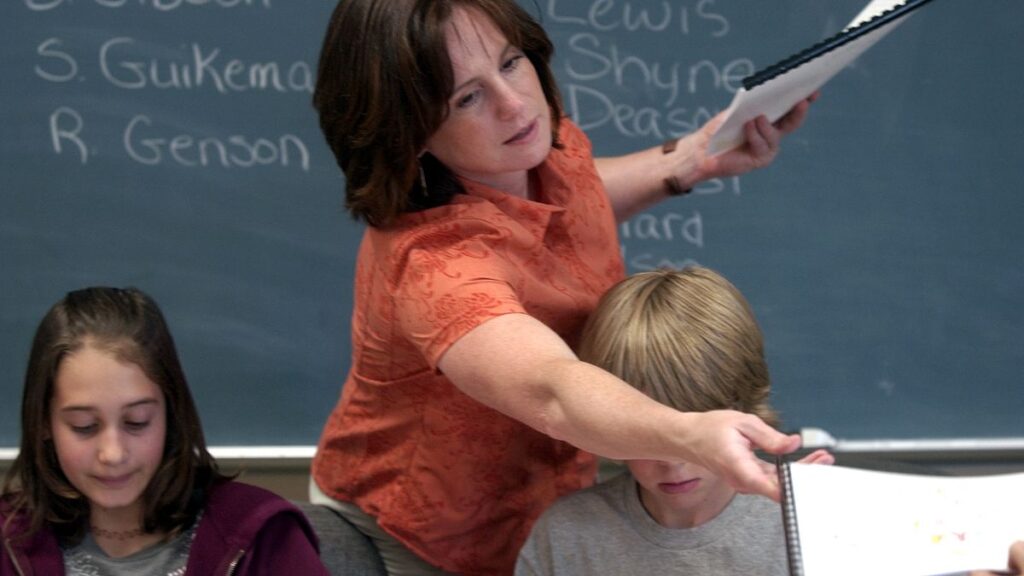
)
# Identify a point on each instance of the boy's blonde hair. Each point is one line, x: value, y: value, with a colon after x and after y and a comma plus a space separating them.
x: 686, y: 338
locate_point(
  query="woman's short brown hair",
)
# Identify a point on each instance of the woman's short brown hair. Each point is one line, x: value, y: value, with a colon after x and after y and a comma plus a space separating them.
x: 383, y: 86
x: 129, y: 325
x: 686, y: 338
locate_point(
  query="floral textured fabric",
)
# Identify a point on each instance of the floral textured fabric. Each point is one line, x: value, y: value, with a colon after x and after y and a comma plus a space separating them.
x: 457, y: 482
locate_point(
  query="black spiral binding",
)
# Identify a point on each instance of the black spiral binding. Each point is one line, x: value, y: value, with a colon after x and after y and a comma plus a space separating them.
x: 831, y: 43
x: 789, y: 526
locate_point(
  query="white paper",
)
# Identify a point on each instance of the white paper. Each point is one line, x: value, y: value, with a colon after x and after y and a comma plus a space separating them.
x: 856, y: 522
x: 777, y: 96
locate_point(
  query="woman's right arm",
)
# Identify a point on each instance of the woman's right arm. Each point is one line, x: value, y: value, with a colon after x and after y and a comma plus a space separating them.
x: 518, y: 366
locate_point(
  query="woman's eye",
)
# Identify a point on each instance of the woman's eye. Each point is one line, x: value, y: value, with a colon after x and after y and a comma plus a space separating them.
x: 512, y: 62
x: 466, y: 100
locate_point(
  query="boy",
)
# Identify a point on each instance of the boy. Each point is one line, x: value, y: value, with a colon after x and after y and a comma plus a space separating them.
x: 688, y: 339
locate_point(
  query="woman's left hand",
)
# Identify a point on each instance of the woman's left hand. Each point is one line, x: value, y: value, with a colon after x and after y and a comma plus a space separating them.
x: 762, y: 144
x: 634, y: 182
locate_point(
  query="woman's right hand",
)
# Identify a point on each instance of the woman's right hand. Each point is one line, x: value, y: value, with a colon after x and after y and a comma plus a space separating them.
x: 727, y: 439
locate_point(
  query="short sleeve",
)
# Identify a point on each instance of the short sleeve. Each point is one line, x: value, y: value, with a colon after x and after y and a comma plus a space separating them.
x: 445, y: 292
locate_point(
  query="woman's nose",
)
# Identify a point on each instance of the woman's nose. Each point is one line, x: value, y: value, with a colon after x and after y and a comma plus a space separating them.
x: 510, y: 102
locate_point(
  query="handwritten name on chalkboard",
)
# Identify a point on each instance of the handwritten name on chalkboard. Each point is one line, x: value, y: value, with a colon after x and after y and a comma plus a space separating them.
x: 161, y: 5
x: 645, y: 98
x: 595, y: 64
x: 132, y: 64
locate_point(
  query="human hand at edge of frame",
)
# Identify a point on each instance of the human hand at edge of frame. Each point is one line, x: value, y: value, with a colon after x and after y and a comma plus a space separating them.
x: 820, y: 456
x: 1016, y: 562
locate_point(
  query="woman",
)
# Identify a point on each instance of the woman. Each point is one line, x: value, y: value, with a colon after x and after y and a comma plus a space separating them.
x: 492, y: 234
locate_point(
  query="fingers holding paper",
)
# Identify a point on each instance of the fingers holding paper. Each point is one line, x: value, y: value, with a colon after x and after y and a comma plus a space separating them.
x: 818, y: 457
x: 729, y: 441
x: 1016, y: 562
x: 762, y: 140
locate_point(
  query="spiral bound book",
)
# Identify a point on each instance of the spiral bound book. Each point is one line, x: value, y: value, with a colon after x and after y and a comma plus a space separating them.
x: 841, y: 521
x: 774, y: 90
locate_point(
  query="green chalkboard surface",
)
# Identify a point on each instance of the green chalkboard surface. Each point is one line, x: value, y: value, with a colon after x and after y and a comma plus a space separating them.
x: 171, y: 145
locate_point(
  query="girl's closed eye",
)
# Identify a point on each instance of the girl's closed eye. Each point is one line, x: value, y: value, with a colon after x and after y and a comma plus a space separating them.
x: 136, y: 426
x: 138, y: 418
x: 84, y: 429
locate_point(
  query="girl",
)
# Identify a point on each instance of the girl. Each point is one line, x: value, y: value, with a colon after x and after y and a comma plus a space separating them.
x: 113, y: 476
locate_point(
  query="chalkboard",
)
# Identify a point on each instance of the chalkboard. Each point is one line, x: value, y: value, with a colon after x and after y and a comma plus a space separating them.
x: 171, y: 145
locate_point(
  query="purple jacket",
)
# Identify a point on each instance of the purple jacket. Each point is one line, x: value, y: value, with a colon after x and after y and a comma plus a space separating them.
x: 245, y: 530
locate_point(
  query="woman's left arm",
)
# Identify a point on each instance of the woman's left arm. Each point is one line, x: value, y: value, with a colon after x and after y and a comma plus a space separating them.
x: 639, y: 180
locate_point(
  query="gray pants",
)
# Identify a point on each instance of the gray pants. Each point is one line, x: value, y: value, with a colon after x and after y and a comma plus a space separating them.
x: 398, y: 560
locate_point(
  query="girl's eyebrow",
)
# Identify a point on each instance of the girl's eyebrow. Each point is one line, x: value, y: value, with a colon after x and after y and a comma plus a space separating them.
x: 86, y: 408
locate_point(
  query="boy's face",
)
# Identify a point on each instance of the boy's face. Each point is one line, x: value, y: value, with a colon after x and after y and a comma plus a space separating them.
x: 679, y: 495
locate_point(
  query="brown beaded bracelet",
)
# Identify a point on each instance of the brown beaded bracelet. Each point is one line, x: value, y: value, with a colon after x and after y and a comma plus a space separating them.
x: 672, y: 187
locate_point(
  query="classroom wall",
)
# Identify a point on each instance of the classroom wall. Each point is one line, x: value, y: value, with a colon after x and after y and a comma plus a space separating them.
x: 171, y: 145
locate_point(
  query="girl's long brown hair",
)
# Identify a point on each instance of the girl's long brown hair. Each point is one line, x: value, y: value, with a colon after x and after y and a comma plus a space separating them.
x: 128, y: 324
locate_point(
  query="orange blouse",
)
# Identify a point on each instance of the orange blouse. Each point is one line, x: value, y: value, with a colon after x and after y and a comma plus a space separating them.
x: 455, y: 481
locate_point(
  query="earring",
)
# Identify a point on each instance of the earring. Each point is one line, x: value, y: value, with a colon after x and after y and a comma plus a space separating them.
x: 423, y: 180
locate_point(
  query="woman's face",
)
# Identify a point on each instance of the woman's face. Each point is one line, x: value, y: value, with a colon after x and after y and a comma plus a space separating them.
x: 499, y: 123
x: 108, y: 424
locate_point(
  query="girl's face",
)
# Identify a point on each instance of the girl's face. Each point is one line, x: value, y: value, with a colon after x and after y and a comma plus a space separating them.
x: 108, y: 423
x: 679, y: 495
x: 499, y: 123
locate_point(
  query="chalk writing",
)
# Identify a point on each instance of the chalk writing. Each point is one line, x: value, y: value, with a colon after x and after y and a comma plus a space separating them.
x: 234, y: 151
x: 668, y: 227
x: 592, y: 60
x: 160, y: 5
x: 144, y: 146
x: 608, y: 15
x: 62, y: 67
x: 66, y: 127
x: 203, y: 67
x: 199, y: 67
x: 611, y: 82
x: 131, y: 63
x: 682, y: 231
x: 646, y: 260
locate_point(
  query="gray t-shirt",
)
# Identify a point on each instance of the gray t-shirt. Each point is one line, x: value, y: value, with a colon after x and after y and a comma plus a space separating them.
x: 606, y: 530
x: 162, y: 559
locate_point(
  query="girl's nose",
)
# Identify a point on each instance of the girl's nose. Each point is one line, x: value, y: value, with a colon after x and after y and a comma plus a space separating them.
x: 112, y: 449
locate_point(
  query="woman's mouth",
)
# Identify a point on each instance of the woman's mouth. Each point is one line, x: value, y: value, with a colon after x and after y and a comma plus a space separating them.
x: 524, y: 135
